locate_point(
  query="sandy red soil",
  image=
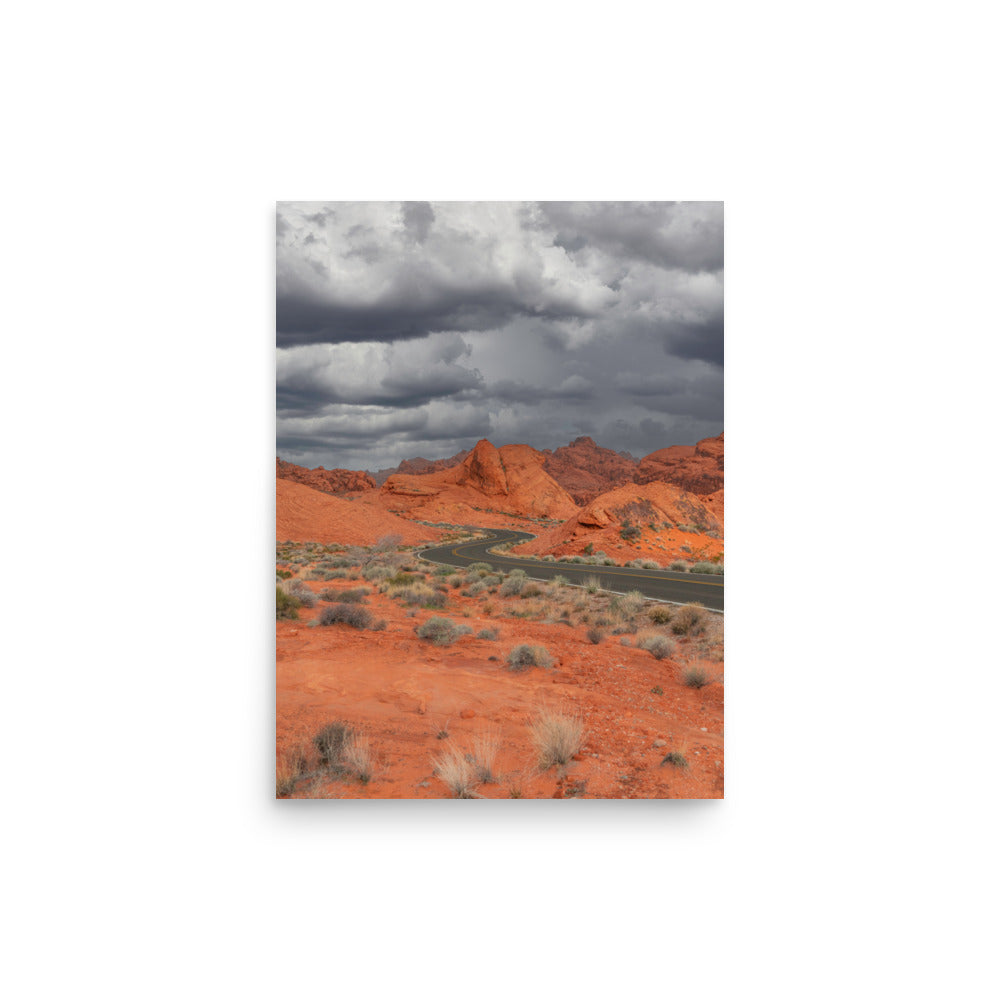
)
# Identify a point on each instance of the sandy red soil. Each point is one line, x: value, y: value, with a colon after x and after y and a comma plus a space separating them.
x: 306, y: 515
x: 402, y: 691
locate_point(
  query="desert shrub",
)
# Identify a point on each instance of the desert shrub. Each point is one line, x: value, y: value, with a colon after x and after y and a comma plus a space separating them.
x: 345, y: 614
x: 656, y: 690
x: 512, y: 586
x: 456, y: 772
x: 286, y: 606
x: 658, y: 645
x: 649, y: 564
x: 373, y: 574
x: 695, y: 676
x: 595, y: 635
x: 356, y: 595
x: 489, y: 633
x: 557, y: 737
x: 339, y: 574
x: 299, y: 590
x: 680, y: 566
x: 315, y: 574
x: 592, y: 584
x: 284, y: 574
x: 477, y: 588
x: 676, y: 758
x: 445, y: 571
x: 420, y: 594
x: 531, y: 590
x: 440, y: 631
x: 560, y: 581
x: 660, y: 615
x: 630, y: 531
x: 330, y: 741
x: 707, y: 567
x: 588, y: 549
x: 627, y: 605
x: 404, y: 579
x: 480, y: 566
x: 687, y: 620
x: 524, y: 656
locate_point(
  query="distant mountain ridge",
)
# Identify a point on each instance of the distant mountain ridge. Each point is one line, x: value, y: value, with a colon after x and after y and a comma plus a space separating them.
x: 582, y: 468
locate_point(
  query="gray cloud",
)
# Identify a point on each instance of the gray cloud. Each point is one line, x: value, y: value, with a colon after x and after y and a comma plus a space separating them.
x: 415, y: 329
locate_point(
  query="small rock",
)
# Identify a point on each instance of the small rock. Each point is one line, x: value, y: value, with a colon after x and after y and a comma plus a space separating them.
x: 704, y: 729
x: 659, y: 743
x: 468, y: 713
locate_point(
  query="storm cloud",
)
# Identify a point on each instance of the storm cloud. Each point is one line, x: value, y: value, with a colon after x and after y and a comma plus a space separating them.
x: 411, y: 328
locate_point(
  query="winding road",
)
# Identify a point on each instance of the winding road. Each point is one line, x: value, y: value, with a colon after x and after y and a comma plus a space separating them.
x: 662, y: 585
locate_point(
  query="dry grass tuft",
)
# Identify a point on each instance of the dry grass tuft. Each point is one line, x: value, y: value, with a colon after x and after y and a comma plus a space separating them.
x: 456, y: 772
x: 556, y: 736
x: 485, y: 748
x: 357, y: 755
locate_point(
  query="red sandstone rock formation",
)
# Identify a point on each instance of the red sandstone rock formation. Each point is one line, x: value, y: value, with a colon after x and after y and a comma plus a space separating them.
x: 331, y: 481
x: 697, y: 469
x: 585, y: 470
x: 510, y: 479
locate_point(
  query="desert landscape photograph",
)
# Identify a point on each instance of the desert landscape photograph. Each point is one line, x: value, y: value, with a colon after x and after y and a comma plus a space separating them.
x: 499, y: 559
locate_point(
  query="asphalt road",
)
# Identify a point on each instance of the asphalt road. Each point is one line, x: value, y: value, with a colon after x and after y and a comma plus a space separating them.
x: 662, y: 585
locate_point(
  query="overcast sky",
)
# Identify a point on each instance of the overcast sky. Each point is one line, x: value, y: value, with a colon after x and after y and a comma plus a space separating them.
x: 410, y: 329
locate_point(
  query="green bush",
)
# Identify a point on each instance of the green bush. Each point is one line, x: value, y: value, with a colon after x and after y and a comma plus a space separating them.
x: 440, y: 631
x: 287, y: 607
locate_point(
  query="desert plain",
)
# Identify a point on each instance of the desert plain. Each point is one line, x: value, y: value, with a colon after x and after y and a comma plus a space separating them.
x: 401, y: 677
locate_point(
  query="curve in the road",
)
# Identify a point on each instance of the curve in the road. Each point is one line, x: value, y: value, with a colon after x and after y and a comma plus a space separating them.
x: 661, y: 585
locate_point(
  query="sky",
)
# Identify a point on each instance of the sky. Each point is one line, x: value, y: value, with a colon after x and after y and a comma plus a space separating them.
x: 409, y: 329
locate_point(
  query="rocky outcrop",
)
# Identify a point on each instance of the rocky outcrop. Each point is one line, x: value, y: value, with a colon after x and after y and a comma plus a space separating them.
x: 696, y: 469
x: 511, y: 479
x: 331, y: 481
x: 585, y: 470
x: 419, y: 467
x: 666, y: 522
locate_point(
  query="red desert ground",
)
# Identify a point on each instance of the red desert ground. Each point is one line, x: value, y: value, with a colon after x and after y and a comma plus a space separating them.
x: 402, y: 678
